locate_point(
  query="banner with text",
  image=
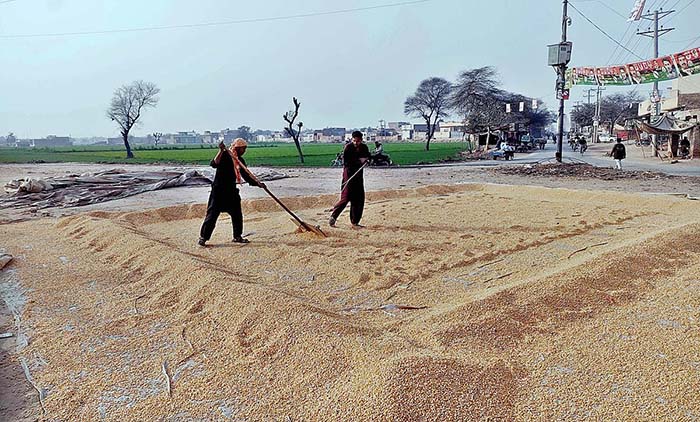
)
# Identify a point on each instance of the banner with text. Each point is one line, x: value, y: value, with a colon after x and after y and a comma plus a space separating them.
x: 678, y: 65
x: 688, y: 62
x: 613, y: 75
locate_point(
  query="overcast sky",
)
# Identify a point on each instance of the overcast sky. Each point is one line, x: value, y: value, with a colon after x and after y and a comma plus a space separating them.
x: 347, y: 69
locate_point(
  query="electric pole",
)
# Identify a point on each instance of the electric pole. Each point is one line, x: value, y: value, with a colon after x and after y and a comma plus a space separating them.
x: 596, y: 116
x: 588, y: 94
x: 562, y: 75
x: 655, y: 34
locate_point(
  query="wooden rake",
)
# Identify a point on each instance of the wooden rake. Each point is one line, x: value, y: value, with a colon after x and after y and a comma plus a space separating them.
x: 304, y: 227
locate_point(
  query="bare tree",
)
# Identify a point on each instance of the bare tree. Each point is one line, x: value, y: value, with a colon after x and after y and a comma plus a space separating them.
x: 128, y: 102
x: 430, y: 102
x: 290, y: 117
x: 156, y: 137
x: 479, y: 100
x: 617, y: 108
x: 583, y: 115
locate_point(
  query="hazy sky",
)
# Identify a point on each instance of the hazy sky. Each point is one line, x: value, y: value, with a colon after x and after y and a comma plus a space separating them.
x: 348, y: 69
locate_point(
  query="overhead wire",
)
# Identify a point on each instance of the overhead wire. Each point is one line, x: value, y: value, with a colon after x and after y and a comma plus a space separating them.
x: 602, y: 30
x: 211, y: 24
x: 691, y: 43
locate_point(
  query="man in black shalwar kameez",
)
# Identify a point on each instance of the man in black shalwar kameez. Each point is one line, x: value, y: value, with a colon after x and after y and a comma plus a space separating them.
x: 355, y: 155
x: 224, y: 196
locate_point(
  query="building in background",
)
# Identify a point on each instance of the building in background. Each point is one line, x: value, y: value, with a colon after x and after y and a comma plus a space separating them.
x: 52, y: 141
x: 187, y: 138
x: 330, y: 135
x: 683, y: 103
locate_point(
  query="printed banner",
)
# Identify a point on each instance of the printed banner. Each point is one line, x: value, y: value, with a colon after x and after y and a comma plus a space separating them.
x: 583, y: 76
x: 613, y: 75
x: 688, y: 62
x: 655, y: 70
x: 678, y: 65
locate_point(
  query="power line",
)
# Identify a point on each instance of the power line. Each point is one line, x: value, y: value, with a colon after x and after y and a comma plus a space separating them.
x: 679, y: 11
x: 674, y: 4
x: 680, y: 41
x: 607, y: 6
x: 208, y: 24
x: 691, y: 43
x: 624, y: 56
x: 617, y: 47
x: 602, y: 30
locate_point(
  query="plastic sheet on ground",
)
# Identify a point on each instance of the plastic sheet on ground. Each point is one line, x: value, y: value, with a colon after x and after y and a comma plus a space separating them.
x: 91, y: 188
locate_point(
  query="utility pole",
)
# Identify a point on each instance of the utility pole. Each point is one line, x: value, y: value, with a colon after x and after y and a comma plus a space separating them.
x: 577, y: 105
x: 596, y: 116
x: 655, y: 34
x: 562, y: 75
x: 589, y: 93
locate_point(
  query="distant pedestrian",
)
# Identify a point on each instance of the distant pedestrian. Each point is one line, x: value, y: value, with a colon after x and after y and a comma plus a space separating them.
x: 582, y: 144
x: 355, y: 155
x: 618, y: 153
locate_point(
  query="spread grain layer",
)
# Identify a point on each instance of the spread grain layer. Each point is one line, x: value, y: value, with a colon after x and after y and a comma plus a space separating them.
x: 455, y: 303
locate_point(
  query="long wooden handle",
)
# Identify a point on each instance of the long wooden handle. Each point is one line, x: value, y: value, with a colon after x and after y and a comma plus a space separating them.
x: 351, y: 177
x: 252, y: 176
x: 284, y: 207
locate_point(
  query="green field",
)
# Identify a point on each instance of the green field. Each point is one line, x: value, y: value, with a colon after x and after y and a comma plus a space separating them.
x: 274, y: 155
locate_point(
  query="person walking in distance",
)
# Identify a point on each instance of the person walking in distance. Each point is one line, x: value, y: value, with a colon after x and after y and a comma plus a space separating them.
x: 618, y: 153
x: 355, y: 155
x: 224, y: 196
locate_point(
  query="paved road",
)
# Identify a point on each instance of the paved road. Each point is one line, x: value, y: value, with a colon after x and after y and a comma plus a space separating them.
x: 596, y: 156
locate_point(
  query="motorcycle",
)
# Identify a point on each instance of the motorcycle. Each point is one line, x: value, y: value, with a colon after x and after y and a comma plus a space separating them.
x: 379, y: 160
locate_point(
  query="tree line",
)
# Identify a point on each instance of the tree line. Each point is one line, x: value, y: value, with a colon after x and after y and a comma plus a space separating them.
x: 477, y: 98
x: 614, y: 109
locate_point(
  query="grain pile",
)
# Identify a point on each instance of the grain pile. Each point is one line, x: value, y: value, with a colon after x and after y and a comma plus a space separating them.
x: 456, y: 303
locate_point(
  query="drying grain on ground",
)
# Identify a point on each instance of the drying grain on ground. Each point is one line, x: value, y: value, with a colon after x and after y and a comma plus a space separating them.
x: 456, y: 303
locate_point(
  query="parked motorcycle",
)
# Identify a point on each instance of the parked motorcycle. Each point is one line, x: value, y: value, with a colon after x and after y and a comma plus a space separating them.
x: 379, y: 160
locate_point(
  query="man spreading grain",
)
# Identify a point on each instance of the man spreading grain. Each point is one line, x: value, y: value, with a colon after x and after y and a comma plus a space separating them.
x: 355, y: 155
x: 224, y: 196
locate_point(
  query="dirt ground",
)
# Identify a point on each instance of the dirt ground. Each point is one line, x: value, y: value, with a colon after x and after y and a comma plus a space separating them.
x: 320, y: 181
x: 460, y: 301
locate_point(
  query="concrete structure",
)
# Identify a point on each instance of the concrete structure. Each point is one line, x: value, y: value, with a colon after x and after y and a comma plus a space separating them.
x: 420, y: 132
x: 330, y: 135
x: 23, y: 143
x: 210, y: 137
x: 397, y: 125
x: 52, y: 141
x: 450, y: 131
x: 187, y: 138
x: 688, y: 108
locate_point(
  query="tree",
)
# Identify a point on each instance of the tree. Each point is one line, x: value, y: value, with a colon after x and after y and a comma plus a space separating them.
x: 430, y: 102
x: 617, y: 108
x: 479, y: 100
x: 583, y: 115
x: 128, y: 102
x: 156, y: 137
x: 244, y: 132
x: 290, y: 117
